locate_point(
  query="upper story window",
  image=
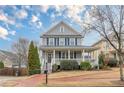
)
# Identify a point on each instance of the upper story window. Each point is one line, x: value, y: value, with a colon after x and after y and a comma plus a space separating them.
x: 51, y: 41
x: 66, y: 41
x: 56, y: 41
x: 61, y: 41
x: 72, y: 41
x: 61, y: 29
x: 78, y: 41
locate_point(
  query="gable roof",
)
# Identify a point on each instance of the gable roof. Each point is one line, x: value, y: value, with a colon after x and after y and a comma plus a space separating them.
x: 50, y: 30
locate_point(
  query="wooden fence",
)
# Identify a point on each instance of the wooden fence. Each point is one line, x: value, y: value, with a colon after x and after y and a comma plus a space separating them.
x: 12, y: 71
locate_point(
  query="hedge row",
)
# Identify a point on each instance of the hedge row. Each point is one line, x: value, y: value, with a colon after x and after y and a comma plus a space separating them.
x: 71, y: 65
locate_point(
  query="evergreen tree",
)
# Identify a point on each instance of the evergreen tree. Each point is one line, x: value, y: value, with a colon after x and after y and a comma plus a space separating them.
x: 38, y: 65
x: 33, y: 60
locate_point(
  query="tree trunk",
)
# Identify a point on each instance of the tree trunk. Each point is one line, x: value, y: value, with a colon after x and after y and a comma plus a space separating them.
x: 121, y: 67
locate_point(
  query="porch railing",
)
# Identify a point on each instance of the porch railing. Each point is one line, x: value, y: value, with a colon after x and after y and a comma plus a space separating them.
x: 57, y: 60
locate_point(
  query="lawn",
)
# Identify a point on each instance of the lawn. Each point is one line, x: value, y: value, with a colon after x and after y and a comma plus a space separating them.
x: 84, y: 78
x: 68, y: 78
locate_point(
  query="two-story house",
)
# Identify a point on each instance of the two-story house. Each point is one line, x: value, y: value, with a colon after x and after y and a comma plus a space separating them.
x: 62, y: 42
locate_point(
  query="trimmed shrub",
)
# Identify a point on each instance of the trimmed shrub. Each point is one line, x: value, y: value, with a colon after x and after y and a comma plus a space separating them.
x: 1, y: 65
x: 54, y: 68
x: 85, y: 65
x: 74, y: 65
x: 69, y: 65
x: 112, y: 62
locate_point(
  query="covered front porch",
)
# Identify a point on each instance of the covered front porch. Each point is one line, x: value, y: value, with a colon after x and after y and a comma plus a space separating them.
x: 55, y: 55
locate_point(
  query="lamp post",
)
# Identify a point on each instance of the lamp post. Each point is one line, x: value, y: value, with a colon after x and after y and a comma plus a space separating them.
x: 46, y: 72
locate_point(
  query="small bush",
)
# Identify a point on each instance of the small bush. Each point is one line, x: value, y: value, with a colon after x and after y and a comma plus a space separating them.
x: 112, y: 62
x: 69, y: 65
x: 32, y: 72
x: 54, y: 67
x: 1, y: 65
x: 85, y: 65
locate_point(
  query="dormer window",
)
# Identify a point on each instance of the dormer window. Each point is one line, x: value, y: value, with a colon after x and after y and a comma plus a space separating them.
x: 61, y: 29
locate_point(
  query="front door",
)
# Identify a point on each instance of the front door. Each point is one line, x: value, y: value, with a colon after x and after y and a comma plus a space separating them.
x: 49, y: 58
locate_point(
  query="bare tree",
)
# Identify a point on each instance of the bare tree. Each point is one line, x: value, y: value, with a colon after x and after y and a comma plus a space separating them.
x: 20, y: 47
x: 108, y: 21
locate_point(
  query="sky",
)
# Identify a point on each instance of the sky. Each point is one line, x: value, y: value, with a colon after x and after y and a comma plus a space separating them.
x: 31, y: 21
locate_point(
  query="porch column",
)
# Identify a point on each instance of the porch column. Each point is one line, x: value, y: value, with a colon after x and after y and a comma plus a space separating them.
x: 93, y: 54
x: 83, y: 58
x: 68, y: 54
x: 54, y: 56
x: 89, y: 54
x: 97, y: 59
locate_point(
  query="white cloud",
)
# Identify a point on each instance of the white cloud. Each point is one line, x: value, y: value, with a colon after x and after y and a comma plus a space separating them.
x: 45, y: 8
x: 21, y: 14
x: 35, y: 22
x: 3, y: 33
x: 39, y: 24
x: 34, y: 18
x: 25, y: 7
x: 74, y: 12
x: 12, y: 32
x: 5, y: 18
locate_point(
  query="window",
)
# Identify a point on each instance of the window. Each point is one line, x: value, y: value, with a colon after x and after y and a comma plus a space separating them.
x: 71, y: 54
x: 63, y: 54
x: 47, y: 41
x: 61, y: 41
x: 51, y: 41
x: 78, y: 41
x: 56, y: 41
x: 74, y: 54
x: 61, y: 29
x: 59, y: 54
x: 66, y: 41
x: 72, y: 41
x: 75, y: 41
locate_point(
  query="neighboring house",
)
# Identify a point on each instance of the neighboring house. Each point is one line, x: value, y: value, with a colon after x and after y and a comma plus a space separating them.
x: 106, y: 48
x: 7, y: 58
x: 62, y: 42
